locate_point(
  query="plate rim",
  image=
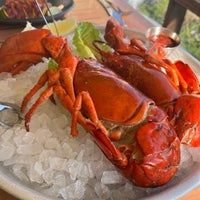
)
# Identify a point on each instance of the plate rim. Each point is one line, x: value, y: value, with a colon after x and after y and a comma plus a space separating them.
x: 15, y: 187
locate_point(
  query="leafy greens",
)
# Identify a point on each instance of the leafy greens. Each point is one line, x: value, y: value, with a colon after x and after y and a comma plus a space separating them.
x: 85, y: 35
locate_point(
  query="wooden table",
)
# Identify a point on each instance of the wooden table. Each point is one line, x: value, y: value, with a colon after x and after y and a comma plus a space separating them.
x: 91, y: 10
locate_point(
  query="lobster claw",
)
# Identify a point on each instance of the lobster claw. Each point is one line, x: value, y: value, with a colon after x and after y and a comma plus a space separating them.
x: 114, y: 35
x: 187, y: 119
x: 23, y: 56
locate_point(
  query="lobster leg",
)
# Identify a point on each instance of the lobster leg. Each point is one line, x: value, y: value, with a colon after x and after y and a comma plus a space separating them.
x: 67, y: 80
x: 39, y: 85
x: 67, y: 59
x: 98, y: 131
x: 68, y: 104
x: 53, y: 86
x: 44, y: 96
x: 85, y: 97
x: 52, y: 77
x: 171, y: 70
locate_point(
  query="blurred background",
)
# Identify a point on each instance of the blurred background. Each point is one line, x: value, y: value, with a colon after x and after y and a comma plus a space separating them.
x: 190, y: 30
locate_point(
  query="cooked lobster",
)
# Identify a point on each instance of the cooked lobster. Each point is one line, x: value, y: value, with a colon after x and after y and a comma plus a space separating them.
x: 131, y: 130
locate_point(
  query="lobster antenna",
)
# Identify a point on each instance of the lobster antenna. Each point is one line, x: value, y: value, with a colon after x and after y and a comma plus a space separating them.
x: 45, y: 17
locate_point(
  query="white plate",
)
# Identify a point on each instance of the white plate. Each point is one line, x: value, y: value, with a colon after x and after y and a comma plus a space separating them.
x: 173, y: 190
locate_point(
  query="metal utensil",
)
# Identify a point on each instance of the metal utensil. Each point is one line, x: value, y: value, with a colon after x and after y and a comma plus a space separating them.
x: 112, y: 11
x: 51, y: 15
x: 10, y: 114
x: 118, y: 9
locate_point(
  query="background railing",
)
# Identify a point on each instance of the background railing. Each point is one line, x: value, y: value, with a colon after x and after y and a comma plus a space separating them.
x: 188, y: 24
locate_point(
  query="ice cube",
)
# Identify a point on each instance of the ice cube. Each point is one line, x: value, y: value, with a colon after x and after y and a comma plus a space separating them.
x: 90, y: 194
x: 46, y: 153
x: 51, y: 143
x: 29, y: 149
x: 102, y: 191
x: 111, y: 177
x: 186, y: 158
x: 57, y: 163
x: 60, y: 122
x: 80, y: 155
x: 7, y: 135
x: 18, y: 135
x: 34, y: 176
x: 100, y: 166
x: 38, y: 167
x: 20, y: 172
x: 42, y: 134
x: 74, y: 168
x: 48, y: 176
x: 118, y: 194
x: 86, y: 171
x: 195, y: 152
x: 9, y: 117
x: 29, y: 138
x: 75, y: 190
x: 67, y: 149
x: 59, y: 181
x: 7, y: 150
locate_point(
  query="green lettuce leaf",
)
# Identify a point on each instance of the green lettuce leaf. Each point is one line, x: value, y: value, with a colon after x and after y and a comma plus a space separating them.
x: 85, y: 34
x: 52, y: 64
x: 3, y: 13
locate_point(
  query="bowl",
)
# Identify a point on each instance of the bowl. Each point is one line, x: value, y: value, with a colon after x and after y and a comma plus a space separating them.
x: 186, y: 179
x: 160, y: 36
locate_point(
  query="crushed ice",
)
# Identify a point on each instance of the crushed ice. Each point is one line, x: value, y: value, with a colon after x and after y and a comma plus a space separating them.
x: 51, y: 160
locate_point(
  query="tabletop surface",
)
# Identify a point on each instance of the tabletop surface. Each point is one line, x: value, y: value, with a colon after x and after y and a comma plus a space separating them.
x: 93, y: 11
